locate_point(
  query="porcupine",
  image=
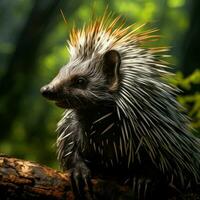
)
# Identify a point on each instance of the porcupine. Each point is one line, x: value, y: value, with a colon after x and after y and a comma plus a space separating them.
x: 122, y: 118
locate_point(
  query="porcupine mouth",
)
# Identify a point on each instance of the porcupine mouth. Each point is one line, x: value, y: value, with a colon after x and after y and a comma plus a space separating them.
x: 67, y: 103
x: 61, y: 103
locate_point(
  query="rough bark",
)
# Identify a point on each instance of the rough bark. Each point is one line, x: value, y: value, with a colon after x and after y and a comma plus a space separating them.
x: 20, y: 180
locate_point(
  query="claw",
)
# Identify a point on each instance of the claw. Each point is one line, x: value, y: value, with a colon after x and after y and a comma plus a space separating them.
x: 81, y: 177
x: 77, y: 185
x: 89, y: 185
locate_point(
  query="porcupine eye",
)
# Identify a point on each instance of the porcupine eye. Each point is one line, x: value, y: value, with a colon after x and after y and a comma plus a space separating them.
x: 81, y: 82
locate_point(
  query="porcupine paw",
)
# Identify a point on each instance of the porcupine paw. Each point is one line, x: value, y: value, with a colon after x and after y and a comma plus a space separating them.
x: 81, y: 177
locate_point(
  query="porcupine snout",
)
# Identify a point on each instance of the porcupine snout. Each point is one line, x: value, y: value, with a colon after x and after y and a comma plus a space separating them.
x: 53, y: 89
x: 48, y: 91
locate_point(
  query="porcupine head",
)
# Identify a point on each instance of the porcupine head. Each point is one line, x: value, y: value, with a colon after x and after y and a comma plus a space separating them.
x: 115, y: 91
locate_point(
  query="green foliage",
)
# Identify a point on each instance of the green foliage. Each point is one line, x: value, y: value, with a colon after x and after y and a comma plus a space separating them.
x: 188, y: 82
x: 189, y: 99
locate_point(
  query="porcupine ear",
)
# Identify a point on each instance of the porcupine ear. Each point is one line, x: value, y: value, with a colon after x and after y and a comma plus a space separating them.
x: 111, y: 65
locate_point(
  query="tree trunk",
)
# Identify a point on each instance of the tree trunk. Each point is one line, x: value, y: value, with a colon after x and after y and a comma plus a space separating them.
x: 21, y: 69
x: 191, y: 44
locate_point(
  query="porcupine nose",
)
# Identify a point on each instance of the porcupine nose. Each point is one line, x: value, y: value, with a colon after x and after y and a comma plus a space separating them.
x: 48, y: 92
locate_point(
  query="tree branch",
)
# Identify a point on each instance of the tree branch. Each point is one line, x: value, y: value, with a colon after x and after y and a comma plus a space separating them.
x: 20, y: 179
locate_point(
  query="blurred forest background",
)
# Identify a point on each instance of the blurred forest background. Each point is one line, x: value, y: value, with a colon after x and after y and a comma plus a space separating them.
x: 33, y: 47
